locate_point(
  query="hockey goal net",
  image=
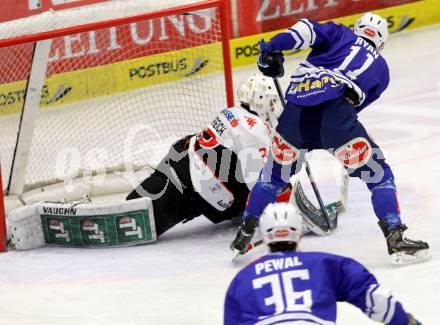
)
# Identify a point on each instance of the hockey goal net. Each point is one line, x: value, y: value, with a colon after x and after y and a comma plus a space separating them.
x: 107, y: 87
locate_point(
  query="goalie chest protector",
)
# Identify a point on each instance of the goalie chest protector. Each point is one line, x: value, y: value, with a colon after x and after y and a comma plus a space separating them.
x: 226, y: 157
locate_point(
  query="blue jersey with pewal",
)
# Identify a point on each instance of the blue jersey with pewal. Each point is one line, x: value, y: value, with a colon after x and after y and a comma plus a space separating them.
x: 303, y: 288
x: 339, y: 60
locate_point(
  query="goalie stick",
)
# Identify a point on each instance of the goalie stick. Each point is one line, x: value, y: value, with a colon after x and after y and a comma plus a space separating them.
x: 313, y: 217
x: 308, y: 170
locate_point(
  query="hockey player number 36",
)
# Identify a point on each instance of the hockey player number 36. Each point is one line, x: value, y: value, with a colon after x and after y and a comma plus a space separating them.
x: 353, y: 74
x: 282, y: 284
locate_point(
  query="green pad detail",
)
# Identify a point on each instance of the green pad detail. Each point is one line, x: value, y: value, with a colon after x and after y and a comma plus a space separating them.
x: 123, y: 229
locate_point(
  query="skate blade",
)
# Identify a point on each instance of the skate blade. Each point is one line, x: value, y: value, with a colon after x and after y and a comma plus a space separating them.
x: 402, y: 258
x: 236, y: 254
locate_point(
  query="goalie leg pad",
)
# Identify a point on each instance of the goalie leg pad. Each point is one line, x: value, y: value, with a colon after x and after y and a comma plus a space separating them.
x: 24, y: 228
x: 83, y: 224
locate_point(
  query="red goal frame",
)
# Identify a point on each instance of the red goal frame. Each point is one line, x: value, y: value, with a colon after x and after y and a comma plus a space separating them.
x: 225, y: 16
x: 2, y: 218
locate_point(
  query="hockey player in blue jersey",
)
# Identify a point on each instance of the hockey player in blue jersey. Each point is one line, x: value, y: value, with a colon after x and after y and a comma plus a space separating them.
x: 291, y: 287
x: 342, y: 75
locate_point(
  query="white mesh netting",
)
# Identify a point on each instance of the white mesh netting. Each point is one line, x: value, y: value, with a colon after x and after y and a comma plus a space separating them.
x: 54, y: 20
x: 115, y: 95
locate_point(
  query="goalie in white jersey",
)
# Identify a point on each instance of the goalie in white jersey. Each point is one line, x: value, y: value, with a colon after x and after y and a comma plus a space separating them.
x: 212, y: 172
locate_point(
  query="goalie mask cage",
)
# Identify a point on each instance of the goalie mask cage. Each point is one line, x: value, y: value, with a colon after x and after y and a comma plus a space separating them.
x: 107, y: 87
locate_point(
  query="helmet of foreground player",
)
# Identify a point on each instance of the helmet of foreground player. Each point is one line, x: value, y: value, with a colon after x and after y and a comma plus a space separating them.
x: 372, y: 27
x: 260, y: 94
x: 280, y: 222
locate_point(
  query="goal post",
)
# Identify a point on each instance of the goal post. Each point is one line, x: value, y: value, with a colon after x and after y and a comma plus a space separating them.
x: 2, y: 219
x: 107, y: 87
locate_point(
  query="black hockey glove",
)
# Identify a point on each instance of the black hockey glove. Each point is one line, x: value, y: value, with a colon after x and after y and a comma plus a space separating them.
x: 270, y: 62
x: 351, y: 96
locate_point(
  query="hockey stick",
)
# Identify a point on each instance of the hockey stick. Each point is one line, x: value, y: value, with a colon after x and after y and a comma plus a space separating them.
x: 308, y: 170
x: 251, y: 246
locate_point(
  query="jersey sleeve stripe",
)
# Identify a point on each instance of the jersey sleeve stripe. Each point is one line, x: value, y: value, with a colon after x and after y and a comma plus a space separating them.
x: 390, y: 313
x: 370, y: 301
x: 388, y: 307
x: 299, y: 41
x: 380, y: 304
x: 312, y: 32
x: 304, y: 32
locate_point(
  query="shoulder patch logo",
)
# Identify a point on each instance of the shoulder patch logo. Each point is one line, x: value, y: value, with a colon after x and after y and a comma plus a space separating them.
x: 355, y: 153
x: 233, y: 121
x: 282, y: 151
x: 251, y: 122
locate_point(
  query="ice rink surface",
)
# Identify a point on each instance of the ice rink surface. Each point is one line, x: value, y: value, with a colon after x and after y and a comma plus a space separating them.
x: 183, y: 277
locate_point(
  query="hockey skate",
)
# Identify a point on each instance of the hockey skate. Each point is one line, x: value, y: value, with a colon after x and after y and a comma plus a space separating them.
x: 244, y: 236
x: 402, y: 249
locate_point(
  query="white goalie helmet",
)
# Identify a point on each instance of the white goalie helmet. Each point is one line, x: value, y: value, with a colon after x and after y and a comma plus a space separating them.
x: 280, y: 222
x: 260, y: 94
x: 374, y: 28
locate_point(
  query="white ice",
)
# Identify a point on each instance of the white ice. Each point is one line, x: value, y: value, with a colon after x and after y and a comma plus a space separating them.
x: 183, y: 277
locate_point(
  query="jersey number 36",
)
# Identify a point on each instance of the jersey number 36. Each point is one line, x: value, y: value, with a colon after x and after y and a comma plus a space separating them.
x: 285, y: 298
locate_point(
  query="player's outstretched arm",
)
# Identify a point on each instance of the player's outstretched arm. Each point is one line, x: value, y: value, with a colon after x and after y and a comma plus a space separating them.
x: 304, y: 34
x: 360, y: 288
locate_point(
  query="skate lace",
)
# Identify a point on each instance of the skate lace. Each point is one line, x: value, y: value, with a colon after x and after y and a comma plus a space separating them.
x: 244, y: 233
x: 412, y: 240
x: 408, y: 240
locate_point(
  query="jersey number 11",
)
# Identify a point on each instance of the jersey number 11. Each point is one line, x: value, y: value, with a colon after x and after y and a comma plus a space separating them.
x: 353, y: 74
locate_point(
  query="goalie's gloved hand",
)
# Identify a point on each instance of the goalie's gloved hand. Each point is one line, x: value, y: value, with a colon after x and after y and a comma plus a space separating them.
x: 270, y: 62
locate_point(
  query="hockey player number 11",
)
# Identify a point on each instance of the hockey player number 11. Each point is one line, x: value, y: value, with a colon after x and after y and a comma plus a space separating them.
x: 353, y: 74
x: 282, y: 284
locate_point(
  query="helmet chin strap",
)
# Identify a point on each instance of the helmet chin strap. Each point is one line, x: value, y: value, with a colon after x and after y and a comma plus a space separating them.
x: 248, y: 108
x: 369, y: 42
x: 380, y: 48
x: 271, y: 122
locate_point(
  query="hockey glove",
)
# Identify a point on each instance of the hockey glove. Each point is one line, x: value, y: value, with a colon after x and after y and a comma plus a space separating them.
x: 270, y: 62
